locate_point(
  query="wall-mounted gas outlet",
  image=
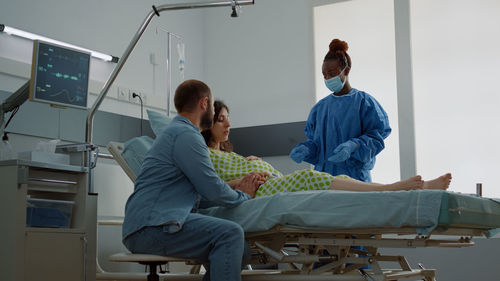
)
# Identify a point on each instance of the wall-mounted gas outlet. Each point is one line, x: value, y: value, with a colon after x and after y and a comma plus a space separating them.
x: 154, y: 59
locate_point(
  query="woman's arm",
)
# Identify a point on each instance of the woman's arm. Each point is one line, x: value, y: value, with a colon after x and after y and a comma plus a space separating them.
x: 261, y: 178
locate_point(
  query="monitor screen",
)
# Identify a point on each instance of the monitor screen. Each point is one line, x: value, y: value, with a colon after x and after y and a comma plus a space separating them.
x: 59, y: 75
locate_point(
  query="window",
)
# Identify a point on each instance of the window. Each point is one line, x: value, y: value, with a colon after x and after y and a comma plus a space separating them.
x: 456, y: 69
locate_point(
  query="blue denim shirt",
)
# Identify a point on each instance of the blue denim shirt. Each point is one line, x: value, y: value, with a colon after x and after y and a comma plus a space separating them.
x: 175, y: 176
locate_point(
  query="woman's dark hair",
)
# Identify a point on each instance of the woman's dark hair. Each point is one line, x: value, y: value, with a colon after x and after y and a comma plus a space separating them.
x: 338, y: 51
x: 226, y: 146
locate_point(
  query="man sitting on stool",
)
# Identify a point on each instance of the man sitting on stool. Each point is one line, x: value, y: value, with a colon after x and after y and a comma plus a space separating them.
x: 177, y: 178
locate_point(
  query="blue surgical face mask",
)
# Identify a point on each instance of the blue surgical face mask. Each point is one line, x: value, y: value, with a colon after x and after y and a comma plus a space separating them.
x: 335, y: 84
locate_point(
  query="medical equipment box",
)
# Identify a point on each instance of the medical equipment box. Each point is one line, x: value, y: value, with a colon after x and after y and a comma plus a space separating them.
x: 48, y: 213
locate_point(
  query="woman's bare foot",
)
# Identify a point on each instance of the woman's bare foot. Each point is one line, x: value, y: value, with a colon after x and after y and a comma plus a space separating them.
x: 415, y: 182
x: 438, y: 183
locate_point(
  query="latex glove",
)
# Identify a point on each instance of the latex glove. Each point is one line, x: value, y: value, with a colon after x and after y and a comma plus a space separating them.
x: 299, y: 153
x: 343, y: 151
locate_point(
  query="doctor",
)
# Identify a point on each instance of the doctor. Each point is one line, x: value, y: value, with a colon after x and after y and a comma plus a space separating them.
x: 346, y: 129
x: 176, y: 179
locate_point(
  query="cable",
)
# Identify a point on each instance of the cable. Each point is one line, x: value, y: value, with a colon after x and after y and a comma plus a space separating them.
x: 12, y: 115
x: 134, y: 95
x: 14, y: 111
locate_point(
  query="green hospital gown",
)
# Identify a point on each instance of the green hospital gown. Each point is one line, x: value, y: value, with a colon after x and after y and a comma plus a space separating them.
x: 230, y: 166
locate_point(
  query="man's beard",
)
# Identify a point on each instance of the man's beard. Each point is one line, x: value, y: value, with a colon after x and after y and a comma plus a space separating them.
x: 207, y: 120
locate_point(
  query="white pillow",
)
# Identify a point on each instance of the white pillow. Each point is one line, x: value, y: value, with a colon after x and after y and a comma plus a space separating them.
x: 158, y: 121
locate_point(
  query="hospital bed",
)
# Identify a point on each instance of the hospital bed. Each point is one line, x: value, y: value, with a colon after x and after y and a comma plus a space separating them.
x: 311, y: 235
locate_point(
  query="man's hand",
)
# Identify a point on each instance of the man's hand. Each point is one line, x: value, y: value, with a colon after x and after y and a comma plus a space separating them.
x: 251, y: 182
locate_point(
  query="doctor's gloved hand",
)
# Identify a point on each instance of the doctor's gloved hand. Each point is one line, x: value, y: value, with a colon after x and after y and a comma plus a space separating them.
x: 299, y: 153
x: 343, y: 151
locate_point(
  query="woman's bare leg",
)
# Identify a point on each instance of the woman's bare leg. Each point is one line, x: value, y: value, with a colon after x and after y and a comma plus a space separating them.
x: 415, y: 182
x: 355, y: 185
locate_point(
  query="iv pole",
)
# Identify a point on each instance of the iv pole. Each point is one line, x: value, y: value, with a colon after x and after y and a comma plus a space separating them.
x: 124, y: 57
x: 170, y: 35
x: 169, y: 69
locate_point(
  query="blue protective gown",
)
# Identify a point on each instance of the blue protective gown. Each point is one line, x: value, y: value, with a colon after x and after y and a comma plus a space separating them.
x: 356, y: 116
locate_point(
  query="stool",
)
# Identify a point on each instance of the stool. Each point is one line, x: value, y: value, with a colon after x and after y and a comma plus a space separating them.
x: 152, y: 261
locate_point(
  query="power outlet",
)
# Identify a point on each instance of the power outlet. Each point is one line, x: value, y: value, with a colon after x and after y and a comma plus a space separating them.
x: 136, y: 99
x: 133, y: 99
x: 123, y: 94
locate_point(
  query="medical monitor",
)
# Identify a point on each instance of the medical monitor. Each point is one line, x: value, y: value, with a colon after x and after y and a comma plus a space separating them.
x: 59, y: 75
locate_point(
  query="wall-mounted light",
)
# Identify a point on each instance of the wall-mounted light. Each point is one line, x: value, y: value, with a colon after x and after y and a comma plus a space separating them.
x: 32, y: 36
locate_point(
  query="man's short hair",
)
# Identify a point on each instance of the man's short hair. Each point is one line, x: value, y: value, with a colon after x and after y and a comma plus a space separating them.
x: 189, y: 93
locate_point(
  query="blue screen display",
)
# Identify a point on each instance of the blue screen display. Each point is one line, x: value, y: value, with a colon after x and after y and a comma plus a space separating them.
x: 61, y: 75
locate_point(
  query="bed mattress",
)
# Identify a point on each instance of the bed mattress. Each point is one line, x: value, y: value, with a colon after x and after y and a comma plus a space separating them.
x: 469, y: 211
x: 423, y: 210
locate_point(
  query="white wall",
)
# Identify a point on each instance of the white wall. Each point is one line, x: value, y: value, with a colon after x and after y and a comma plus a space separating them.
x: 261, y: 63
x: 456, y: 70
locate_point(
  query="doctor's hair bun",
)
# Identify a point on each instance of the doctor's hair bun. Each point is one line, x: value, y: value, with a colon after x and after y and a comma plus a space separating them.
x: 338, y: 51
x: 338, y: 46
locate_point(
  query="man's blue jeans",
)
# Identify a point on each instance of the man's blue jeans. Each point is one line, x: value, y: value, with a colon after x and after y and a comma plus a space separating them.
x: 217, y: 243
